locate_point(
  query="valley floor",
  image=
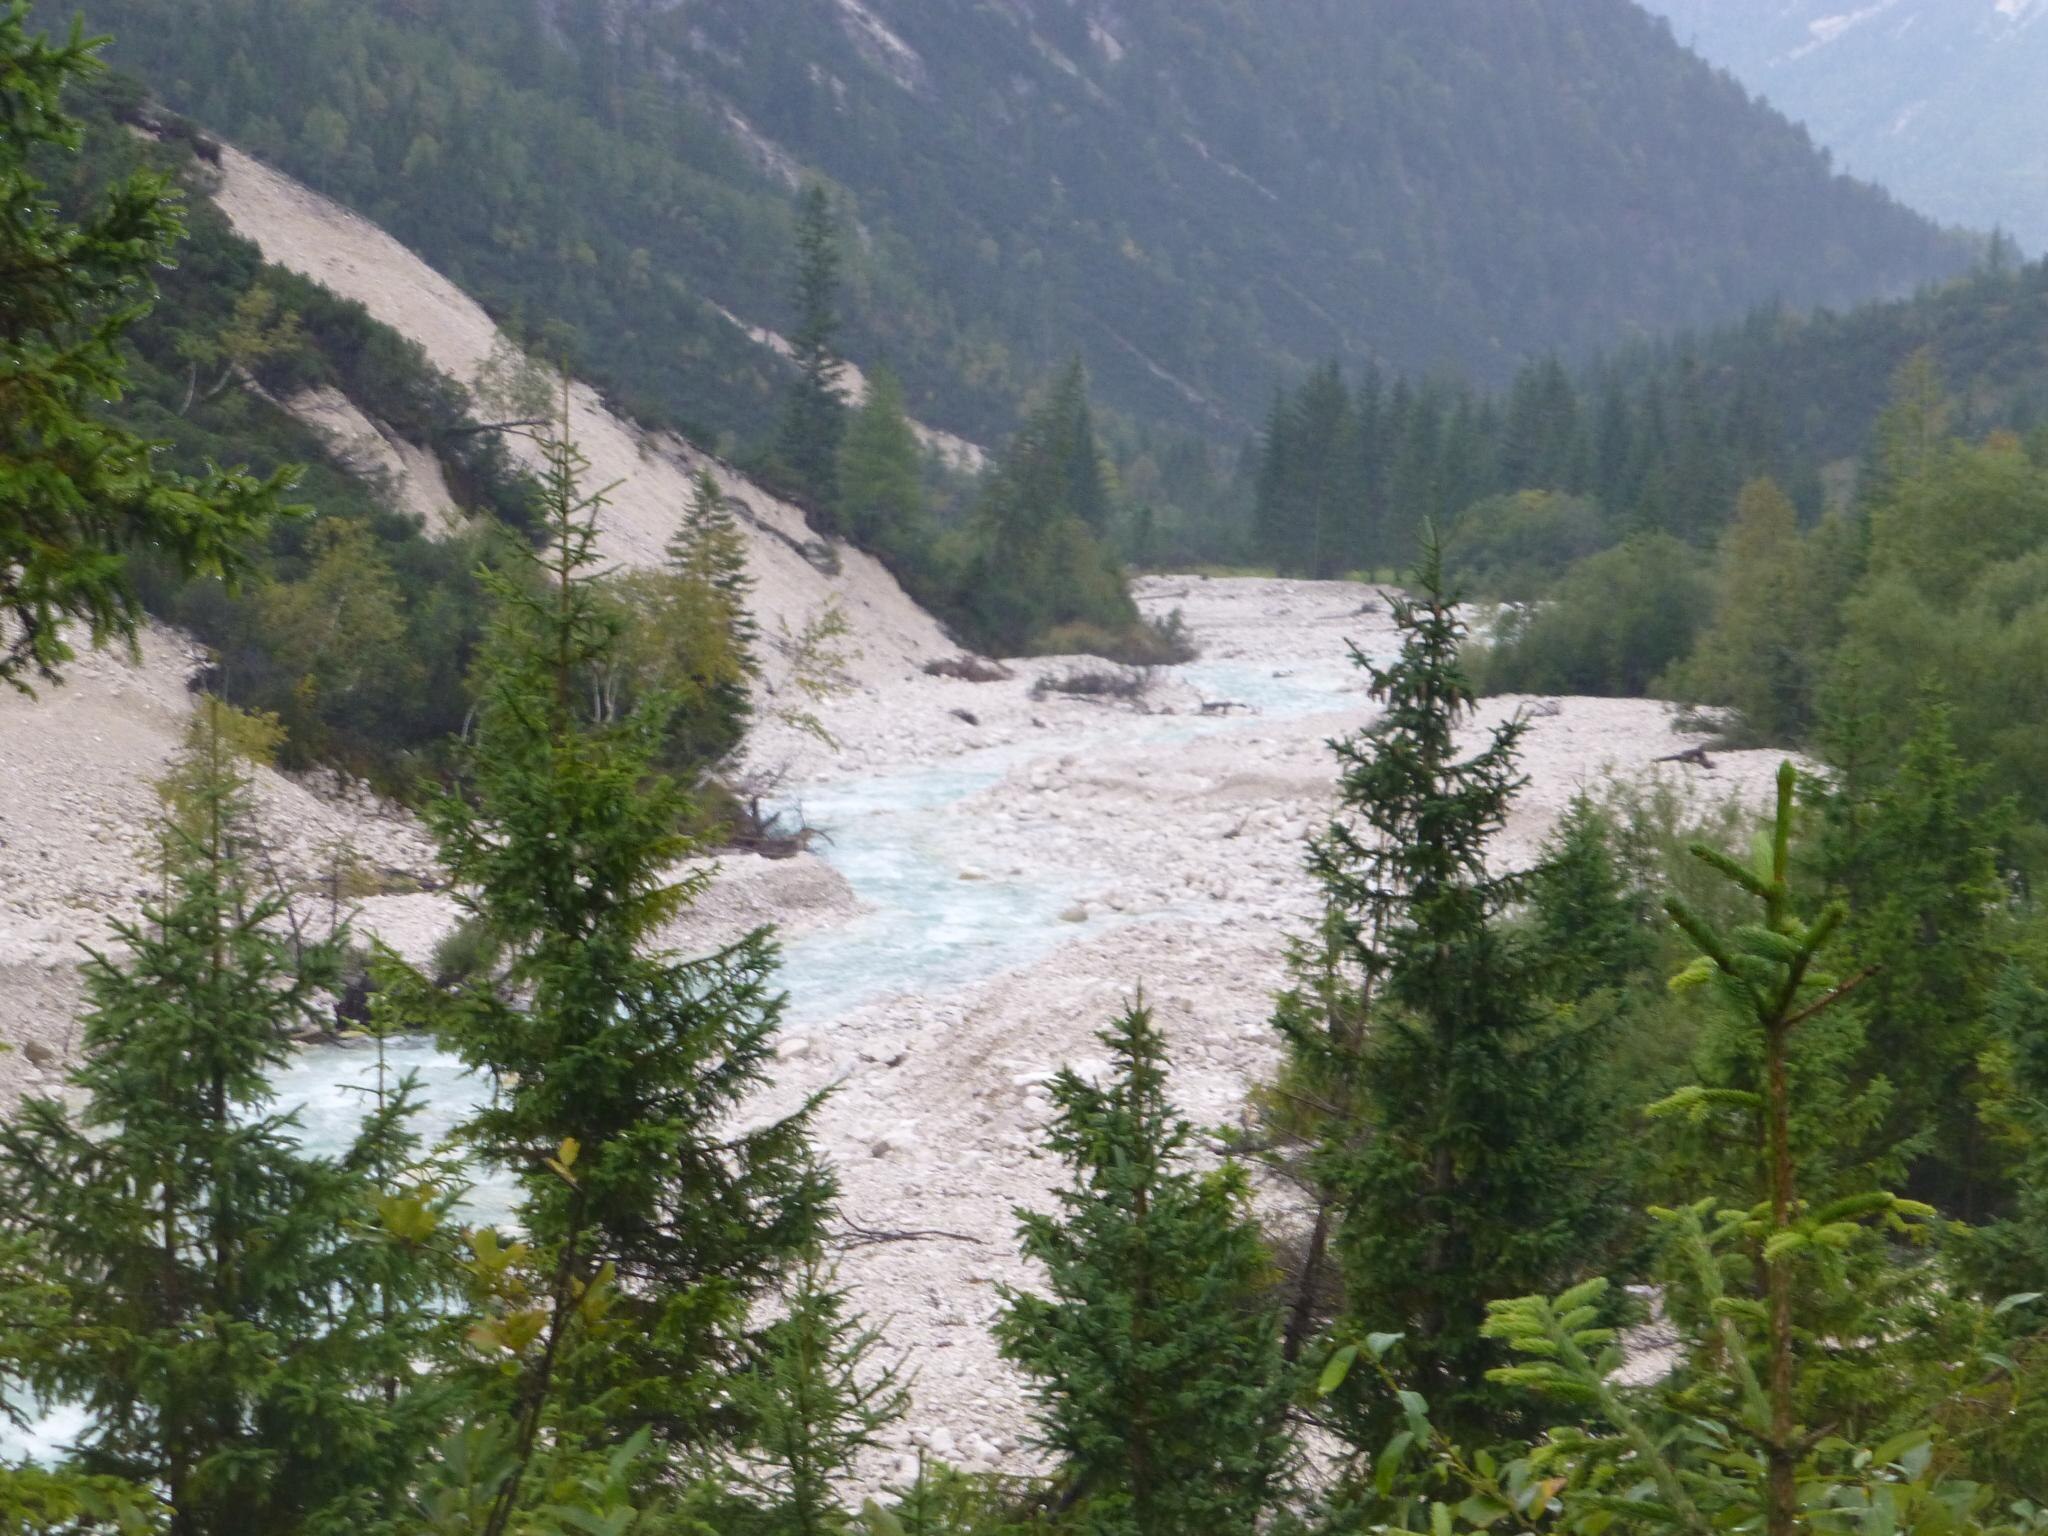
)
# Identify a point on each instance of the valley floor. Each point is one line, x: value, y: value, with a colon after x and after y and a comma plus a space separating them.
x: 999, y: 874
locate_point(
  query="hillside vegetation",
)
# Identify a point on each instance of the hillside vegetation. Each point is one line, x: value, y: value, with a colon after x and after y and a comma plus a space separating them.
x: 1938, y: 100
x: 1201, y: 198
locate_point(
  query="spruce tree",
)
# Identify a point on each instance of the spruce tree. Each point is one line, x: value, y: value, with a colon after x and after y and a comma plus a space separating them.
x: 1749, y: 1429
x: 2010, y: 1255
x: 814, y: 417
x: 563, y: 842
x: 249, y: 1331
x: 1464, y: 1166
x: 1919, y: 869
x: 1038, y: 563
x: 1155, y: 1357
x: 78, y: 495
x: 1588, y: 927
x: 817, y: 1398
x: 40, y: 1500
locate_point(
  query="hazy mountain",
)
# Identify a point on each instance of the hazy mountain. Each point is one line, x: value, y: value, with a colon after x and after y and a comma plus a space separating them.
x: 1942, y: 101
x: 1201, y: 197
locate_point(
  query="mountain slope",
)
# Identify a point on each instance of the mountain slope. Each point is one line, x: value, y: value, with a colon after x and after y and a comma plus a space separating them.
x: 1939, y: 100
x: 649, y: 475
x: 1198, y: 196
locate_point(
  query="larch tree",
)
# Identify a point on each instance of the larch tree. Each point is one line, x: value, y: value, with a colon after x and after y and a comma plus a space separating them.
x: 881, y: 481
x: 1752, y: 657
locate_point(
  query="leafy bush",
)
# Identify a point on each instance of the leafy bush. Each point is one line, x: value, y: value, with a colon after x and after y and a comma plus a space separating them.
x: 1616, y: 623
x: 1514, y: 548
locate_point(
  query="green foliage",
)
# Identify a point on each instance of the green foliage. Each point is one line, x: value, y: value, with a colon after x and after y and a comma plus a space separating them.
x: 1612, y: 626
x: 1038, y: 559
x: 1460, y: 1158
x: 1956, y: 596
x: 881, y: 481
x: 79, y: 495
x: 817, y: 1399
x: 1514, y: 547
x: 1760, y: 654
x: 2011, y: 1254
x: 1765, y: 1278
x: 367, y: 702
x: 1155, y: 1360
x: 563, y: 839
x: 249, y: 1332
x: 1919, y: 869
x: 814, y: 419
x: 686, y: 639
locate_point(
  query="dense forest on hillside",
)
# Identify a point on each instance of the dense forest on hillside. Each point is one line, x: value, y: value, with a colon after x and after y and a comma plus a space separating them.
x: 1659, y: 437
x: 1202, y: 200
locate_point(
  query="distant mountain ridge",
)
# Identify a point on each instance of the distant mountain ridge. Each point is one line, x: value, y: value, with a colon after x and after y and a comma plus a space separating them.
x: 1945, y: 102
x: 1202, y: 198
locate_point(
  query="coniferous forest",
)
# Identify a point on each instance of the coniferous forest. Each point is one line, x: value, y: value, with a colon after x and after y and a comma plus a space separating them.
x: 1691, y: 1179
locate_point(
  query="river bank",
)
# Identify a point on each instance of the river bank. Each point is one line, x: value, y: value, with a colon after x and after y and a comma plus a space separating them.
x: 1000, y: 871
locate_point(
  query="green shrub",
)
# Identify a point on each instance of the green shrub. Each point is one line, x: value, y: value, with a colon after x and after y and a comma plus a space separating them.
x: 1615, y: 624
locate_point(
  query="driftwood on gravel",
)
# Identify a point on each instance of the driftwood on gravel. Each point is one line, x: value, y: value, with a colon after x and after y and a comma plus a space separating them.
x: 858, y: 1236
x: 969, y: 669
x: 761, y: 832
x: 1695, y: 757
x: 1096, y: 683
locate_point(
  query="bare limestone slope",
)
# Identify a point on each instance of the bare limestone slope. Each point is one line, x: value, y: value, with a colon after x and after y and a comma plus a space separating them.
x: 78, y: 763
x: 650, y: 473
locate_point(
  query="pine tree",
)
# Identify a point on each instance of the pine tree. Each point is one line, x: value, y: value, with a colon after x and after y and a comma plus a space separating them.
x: 814, y: 419
x: 77, y: 494
x: 881, y: 483
x: 248, y: 1330
x: 1467, y: 1169
x: 1155, y: 1359
x: 563, y: 842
